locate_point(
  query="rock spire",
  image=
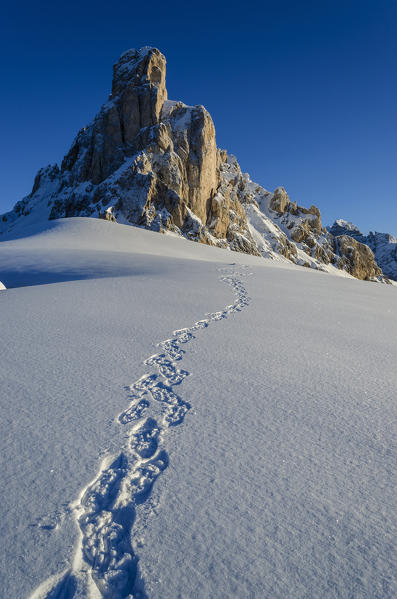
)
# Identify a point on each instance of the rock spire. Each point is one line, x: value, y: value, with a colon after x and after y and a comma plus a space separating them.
x: 152, y: 162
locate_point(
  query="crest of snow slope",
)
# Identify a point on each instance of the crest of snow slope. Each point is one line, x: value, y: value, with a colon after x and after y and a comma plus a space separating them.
x: 281, y: 478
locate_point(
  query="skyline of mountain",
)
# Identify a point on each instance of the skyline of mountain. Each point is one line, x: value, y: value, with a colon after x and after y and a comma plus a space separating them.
x: 304, y: 98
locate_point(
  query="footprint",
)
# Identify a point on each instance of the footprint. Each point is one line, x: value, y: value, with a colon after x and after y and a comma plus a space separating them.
x: 176, y: 407
x: 144, y: 383
x: 102, y: 492
x: 183, y: 335
x: 176, y: 413
x: 156, y: 359
x: 172, y: 349
x: 143, y: 478
x: 106, y: 547
x: 172, y: 375
x: 201, y: 324
x: 144, y: 441
x: 135, y: 412
x: 164, y: 394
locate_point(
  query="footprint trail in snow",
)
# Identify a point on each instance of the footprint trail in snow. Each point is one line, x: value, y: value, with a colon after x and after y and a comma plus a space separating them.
x: 105, y: 564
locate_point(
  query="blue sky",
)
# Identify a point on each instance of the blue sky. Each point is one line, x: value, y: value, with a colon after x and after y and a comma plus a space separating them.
x: 304, y: 94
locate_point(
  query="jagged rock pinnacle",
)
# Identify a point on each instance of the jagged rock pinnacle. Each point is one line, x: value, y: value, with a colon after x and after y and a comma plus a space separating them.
x: 139, y: 67
x: 153, y: 162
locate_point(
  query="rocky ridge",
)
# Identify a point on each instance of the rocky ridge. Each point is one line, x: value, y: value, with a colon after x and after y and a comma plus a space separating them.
x: 383, y: 245
x: 152, y: 162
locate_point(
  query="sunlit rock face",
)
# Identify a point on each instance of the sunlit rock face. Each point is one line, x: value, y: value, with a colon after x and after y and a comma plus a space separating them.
x: 357, y: 258
x: 143, y: 160
x: 153, y: 162
x: 147, y: 160
x: 383, y: 245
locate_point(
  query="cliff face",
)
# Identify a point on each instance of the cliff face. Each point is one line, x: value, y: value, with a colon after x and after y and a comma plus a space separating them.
x: 152, y: 162
x: 138, y: 94
x: 144, y: 160
x: 282, y: 229
x: 149, y: 161
x: 383, y: 245
x: 357, y: 258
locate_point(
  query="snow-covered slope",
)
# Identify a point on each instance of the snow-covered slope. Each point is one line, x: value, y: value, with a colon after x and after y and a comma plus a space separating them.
x: 175, y: 423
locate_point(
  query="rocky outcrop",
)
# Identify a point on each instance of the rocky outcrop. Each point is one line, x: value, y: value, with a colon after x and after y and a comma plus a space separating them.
x: 153, y: 162
x: 357, y: 258
x: 343, y: 227
x: 150, y: 161
x: 279, y: 202
x: 279, y: 226
x: 282, y: 228
x: 138, y: 94
x: 383, y: 245
x: 145, y: 160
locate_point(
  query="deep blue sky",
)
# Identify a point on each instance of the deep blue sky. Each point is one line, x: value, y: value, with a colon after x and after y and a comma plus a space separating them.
x: 304, y: 94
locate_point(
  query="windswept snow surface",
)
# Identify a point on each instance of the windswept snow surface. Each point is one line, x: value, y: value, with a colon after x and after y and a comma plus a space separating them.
x: 185, y: 421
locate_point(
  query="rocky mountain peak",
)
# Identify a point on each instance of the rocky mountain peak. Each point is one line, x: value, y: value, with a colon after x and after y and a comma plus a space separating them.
x: 340, y: 222
x: 344, y: 227
x: 145, y: 66
x: 153, y: 162
x: 138, y: 95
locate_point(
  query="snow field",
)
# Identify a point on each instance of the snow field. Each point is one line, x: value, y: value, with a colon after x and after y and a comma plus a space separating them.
x: 255, y: 454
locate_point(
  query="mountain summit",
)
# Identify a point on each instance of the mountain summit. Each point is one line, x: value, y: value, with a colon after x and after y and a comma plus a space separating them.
x: 153, y: 162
